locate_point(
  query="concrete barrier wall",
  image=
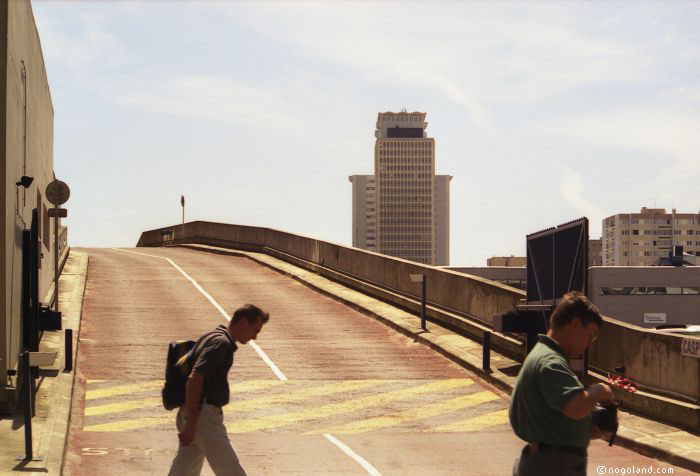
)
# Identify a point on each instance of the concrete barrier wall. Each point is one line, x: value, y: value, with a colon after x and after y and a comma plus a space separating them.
x: 650, y: 358
x: 475, y: 297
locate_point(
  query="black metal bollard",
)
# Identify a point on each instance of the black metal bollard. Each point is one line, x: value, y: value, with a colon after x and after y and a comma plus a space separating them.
x: 486, y: 365
x: 69, y: 350
x: 422, y: 307
x: 27, y: 396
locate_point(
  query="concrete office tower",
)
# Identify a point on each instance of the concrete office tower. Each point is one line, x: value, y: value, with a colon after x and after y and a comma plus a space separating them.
x: 639, y: 239
x: 403, y: 210
x: 404, y: 169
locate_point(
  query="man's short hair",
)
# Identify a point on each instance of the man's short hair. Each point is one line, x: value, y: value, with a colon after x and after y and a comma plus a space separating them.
x: 250, y: 312
x: 575, y: 305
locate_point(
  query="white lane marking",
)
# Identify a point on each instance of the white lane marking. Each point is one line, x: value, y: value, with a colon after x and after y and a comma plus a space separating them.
x: 346, y: 449
x: 199, y: 288
x: 136, y: 253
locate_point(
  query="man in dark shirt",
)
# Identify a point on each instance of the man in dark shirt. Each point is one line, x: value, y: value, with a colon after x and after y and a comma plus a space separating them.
x: 200, y: 422
x: 550, y: 408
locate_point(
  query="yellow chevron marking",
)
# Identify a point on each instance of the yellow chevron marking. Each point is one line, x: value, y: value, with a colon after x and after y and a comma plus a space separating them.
x: 272, y: 400
x: 487, y: 420
x: 122, y: 389
x: 237, y: 406
x: 233, y: 407
x: 323, y: 411
x: 420, y: 413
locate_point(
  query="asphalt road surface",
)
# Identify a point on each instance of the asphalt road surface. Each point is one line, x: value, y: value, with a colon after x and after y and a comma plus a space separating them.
x: 324, y: 390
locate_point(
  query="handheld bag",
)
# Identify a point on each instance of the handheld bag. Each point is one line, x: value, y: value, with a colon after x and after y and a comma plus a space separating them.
x: 177, y: 369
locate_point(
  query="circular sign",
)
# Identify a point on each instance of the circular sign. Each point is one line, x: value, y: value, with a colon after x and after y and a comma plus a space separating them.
x: 57, y: 192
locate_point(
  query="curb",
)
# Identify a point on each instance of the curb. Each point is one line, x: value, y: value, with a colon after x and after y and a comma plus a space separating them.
x: 55, y: 433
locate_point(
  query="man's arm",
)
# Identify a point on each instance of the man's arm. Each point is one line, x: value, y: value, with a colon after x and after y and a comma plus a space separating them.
x: 582, y: 403
x: 193, y: 395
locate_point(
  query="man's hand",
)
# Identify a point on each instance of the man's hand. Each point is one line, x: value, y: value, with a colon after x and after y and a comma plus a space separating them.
x: 601, y: 393
x: 186, y: 436
x: 193, y: 394
x: 582, y: 403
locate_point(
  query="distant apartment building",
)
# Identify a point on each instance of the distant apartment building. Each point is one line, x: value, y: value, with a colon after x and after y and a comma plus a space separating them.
x: 595, y: 252
x: 403, y: 210
x: 640, y: 239
x: 507, y: 261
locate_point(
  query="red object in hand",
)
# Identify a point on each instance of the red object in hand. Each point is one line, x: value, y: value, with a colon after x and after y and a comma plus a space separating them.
x: 622, y: 382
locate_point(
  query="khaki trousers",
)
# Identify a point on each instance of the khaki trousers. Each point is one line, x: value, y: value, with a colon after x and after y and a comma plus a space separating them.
x: 210, y: 442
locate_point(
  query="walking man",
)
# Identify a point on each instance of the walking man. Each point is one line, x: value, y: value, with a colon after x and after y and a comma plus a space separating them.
x: 200, y: 422
x: 550, y: 409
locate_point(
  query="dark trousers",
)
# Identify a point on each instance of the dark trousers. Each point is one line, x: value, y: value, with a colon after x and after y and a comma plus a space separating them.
x: 549, y: 462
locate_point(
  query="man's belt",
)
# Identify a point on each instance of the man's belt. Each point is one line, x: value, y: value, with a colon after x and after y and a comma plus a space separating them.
x: 565, y: 448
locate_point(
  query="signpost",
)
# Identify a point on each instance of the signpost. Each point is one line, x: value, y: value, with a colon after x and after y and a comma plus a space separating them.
x: 57, y: 192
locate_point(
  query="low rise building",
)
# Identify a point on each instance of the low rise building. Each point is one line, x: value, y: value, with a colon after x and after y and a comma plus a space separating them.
x: 640, y: 239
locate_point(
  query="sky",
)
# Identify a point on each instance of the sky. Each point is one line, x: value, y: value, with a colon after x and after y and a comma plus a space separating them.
x: 258, y: 112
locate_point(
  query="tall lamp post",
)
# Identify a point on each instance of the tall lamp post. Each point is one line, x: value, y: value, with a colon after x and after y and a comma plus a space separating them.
x: 182, y: 202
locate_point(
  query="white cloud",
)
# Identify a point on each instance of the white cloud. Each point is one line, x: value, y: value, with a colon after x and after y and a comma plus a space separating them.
x: 572, y: 190
x: 213, y: 98
x: 82, y: 45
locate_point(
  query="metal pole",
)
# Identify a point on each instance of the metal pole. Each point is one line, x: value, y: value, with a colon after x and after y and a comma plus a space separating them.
x: 422, y: 308
x: 27, y: 394
x: 55, y: 261
x: 486, y: 365
x: 69, y: 350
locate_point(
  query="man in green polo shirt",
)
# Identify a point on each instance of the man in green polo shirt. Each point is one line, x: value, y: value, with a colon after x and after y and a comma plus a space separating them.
x: 550, y: 409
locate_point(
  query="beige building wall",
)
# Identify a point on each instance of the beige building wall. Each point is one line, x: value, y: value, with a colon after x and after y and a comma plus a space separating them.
x: 507, y: 261
x: 647, y: 296
x: 595, y: 252
x: 442, y: 219
x: 639, y: 239
x: 364, y: 212
x: 26, y: 148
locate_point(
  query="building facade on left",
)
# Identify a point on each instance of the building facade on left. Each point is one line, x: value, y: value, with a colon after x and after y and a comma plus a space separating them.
x: 26, y: 151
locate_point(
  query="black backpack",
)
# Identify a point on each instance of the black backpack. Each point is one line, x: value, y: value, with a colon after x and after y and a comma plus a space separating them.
x: 181, y: 358
x: 177, y: 369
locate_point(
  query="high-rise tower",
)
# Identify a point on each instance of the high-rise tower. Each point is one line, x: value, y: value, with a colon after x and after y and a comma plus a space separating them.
x: 403, y: 209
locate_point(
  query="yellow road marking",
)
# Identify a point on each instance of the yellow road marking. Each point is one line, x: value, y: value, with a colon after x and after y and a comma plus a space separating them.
x: 323, y: 390
x: 122, y: 389
x: 95, y: 381
x: 236, y: 406
x: 323, y: 411
x: 122, y: 406
x: 487, y: 420
x: 420, y: 413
